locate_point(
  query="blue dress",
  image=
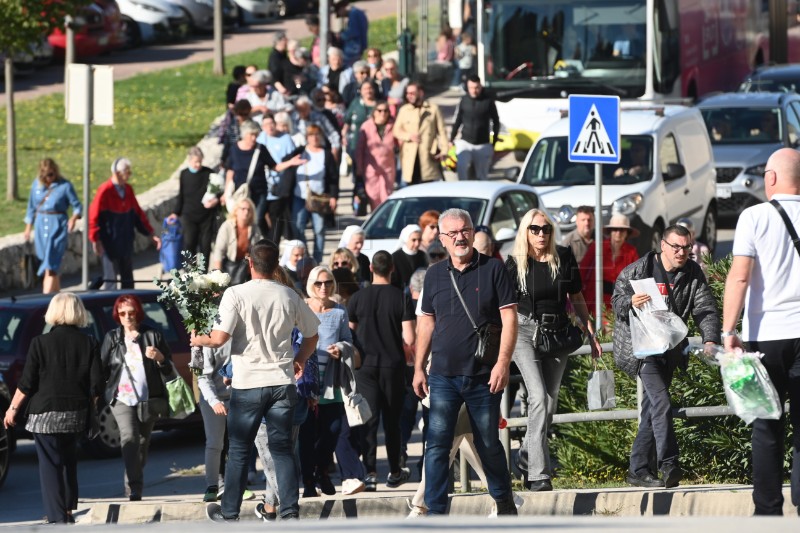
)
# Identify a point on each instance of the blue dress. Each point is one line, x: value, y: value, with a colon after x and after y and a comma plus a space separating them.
x: 50, y: 220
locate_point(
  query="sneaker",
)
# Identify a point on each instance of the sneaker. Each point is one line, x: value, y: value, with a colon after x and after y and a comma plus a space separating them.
x: 211, y: 494
x: 539, y: 485
x: 264, y: 515
x: 248, y: 495
x: 393, y: 481
x: 647, y: 481
x: 415, y: 511
x: 214, y: 513
x: 220, y: 492
x: 371, y: 482
x: 672, y: 476
x: 352, y: 486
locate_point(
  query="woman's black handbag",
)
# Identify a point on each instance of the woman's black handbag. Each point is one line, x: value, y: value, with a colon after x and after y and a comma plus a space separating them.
x: 488, y: 349
x: 557, y: 338
x: 239, y: 271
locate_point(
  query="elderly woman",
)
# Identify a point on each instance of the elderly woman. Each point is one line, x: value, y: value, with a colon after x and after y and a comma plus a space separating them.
x: 292, y: 260
x: 353, y: 239
x: 50, y: 198
x: 546, y: 278
x: 409, y: 257
x: 393, y: 86
x: 60, y: 379
x: 135, y: 359
x: 234, y: 239
x: 197, y: 218
x: 360, y: 75
x: 263, y: 98
x: 335, y: 74
x: 429, y: 222
x: 319, y: 435
x: 375, y: 159
x: 617, y: 254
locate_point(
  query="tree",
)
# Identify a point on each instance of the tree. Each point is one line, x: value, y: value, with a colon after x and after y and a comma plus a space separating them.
x: 25, y: 22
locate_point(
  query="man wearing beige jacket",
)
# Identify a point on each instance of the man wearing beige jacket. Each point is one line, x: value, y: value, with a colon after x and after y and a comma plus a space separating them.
x: 419, y: 127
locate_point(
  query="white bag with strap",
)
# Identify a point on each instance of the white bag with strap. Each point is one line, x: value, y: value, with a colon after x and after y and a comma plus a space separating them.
x: 357, y: 409
x: 234, y: 196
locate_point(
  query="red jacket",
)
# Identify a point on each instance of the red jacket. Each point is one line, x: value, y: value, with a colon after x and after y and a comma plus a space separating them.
x: 112, y: 220
x: 611, y: 270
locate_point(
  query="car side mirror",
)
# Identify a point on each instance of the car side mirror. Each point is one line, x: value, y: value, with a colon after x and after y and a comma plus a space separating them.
x: 675, y: 171
x: 505, y: 234
x: 511, y: 174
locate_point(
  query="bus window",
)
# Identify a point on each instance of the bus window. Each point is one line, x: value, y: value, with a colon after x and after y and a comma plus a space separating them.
x: 666, y: 66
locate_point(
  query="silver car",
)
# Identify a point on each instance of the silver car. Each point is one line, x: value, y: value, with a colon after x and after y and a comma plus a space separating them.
x: 745, y: 129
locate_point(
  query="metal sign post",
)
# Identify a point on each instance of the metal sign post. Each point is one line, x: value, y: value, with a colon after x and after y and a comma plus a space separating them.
x: 594, y: 137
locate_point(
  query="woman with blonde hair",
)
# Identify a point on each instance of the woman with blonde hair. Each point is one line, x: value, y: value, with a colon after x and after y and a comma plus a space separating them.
x: 61, y: 377
x: 50, y: 198
x: 344, y: 258
x: 234, y: 239
x: 546, y: 277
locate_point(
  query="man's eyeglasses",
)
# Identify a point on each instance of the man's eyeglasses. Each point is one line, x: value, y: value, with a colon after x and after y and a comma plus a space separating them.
x: 327, y: 283
x: 764, y: 174
x: 677, y: 247
x: 466, y: 232
x: 547, y: 229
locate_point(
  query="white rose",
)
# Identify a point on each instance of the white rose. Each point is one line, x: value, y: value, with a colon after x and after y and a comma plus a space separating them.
x: 219, y: 278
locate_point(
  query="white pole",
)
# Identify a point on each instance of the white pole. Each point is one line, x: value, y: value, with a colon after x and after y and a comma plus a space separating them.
x: 87, y: 137
x: 324, y: 25
x: 598, y: 246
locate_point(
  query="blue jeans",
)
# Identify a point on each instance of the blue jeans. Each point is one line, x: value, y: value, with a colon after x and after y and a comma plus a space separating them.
x: 247, y: 407
x: 447, y: 394
x: 301, y: 216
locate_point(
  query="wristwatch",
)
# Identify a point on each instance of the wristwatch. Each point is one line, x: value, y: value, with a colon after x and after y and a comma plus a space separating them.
x: 731, y: 333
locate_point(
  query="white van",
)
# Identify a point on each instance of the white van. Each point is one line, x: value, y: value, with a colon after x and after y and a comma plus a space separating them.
x: 666, y: 172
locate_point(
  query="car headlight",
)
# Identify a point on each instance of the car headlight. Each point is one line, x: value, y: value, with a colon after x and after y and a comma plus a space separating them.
x: 627, y: 205
x: 757, y: 170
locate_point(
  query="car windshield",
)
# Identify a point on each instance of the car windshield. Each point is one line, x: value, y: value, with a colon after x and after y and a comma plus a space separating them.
x: 770, y: 85
x: 549, y: 164
x: 394, y: 214
x: 11, y: 328
x: 743, y: 125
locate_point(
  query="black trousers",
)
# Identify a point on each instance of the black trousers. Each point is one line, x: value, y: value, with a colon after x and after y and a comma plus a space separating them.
x: 278, y: 212
x: 782, y: 361
x: 385, y: 390
x: 197, y: 236
x: 58, y: 473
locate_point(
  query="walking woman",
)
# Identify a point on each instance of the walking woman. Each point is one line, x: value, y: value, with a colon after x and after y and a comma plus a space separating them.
x: 234, y: 239
x: 135, y: 359
x: 546, y: 278
x: 61, y: 377
x: 376, y: 163
x: 51, y: 195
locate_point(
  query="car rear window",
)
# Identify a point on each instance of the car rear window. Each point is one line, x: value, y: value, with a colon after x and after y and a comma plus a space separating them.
x: 156, y: 317
x: 395, y: 214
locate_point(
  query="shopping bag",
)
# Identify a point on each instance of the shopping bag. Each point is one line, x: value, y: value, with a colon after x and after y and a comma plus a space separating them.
x: 181, y: 399
x: 654, y: 331
x: 171, y: 244
x: 357, y: 410
x: 748, y: 388
x: 600, y: 390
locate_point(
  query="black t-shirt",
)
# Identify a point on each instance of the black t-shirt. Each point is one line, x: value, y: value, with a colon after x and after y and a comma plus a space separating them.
x: 658, y: 276
x: 379, y: 312
x: 231, y: 91
x: 240, y: 164
x: 546, y: 294
x: 405, y: 265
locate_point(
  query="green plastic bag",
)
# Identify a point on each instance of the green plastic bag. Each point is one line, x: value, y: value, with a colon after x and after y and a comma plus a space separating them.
x: 181, y: 398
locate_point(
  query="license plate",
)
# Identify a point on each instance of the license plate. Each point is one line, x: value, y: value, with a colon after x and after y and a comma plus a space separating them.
x: 723, y: 191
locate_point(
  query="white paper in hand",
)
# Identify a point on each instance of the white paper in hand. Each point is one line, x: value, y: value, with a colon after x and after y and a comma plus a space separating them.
x: 648, y: 286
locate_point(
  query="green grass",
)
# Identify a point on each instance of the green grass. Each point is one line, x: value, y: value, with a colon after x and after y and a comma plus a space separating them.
x: 158, y: 117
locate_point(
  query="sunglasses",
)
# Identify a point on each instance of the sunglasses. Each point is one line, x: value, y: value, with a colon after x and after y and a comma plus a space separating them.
x: 123, y: 314
x: 327, y: 283
x: 547, y: 229
x: 341, y: 263
x: 677, y: 247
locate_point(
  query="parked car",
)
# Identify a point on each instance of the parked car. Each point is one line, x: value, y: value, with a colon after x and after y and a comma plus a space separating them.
x: 147, y: 21
x: 677, y: 178
x: 5, y: 442
x: 251, y: 11
x: 22, y: 318
x: 775, y: 78
x: 287, y: 8
x: 200, y: 13
x: 497, y: 204
x: 745, y: 129
x: 98, y: 29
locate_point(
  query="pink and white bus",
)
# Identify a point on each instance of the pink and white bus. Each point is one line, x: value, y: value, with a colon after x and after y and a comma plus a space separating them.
x: 534, y: 53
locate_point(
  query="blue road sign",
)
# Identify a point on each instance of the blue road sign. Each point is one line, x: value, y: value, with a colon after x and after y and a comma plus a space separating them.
x: 594, y: 129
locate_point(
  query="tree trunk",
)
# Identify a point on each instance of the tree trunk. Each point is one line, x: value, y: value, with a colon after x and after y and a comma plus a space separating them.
x: 11, y: 136
x: 219, y: 42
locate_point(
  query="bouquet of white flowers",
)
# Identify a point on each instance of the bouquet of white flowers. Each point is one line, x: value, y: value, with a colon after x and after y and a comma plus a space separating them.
x: 216, y: 185
x: 196, y: 296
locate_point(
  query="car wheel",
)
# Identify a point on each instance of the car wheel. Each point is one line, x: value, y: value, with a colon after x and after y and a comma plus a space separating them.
x: 133, y: 36
x: 107, y: 443
x: 283, y: 9
x: 709, y: 235
x: 655, y: 238
x: 5, y: 453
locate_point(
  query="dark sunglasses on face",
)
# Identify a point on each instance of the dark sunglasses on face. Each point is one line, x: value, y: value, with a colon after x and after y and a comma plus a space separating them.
x: 327, y: 283
x: 341, y: 263
x: 547, y: 229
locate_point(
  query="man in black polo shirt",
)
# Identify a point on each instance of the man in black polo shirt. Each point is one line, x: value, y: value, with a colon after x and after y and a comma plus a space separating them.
x: 445, y: 331
x: 476, y: 117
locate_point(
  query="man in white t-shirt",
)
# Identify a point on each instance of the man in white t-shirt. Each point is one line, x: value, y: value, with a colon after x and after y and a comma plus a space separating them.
x: 764, y: 280
x: 258, y: 317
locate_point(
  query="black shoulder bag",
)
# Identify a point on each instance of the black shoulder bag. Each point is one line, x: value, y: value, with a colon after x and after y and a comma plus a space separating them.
x: 488, y: 349
x: 789, y: 225
x: 556, y: 336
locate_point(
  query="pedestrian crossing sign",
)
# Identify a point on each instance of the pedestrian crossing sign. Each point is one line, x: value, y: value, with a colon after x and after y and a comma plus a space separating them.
x: 594, y: 129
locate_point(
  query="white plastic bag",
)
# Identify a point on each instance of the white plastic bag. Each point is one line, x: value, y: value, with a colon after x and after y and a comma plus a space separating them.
x: 654, y: 331
x: 357, y: 410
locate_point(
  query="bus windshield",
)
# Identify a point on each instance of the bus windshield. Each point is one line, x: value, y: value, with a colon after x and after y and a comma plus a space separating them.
x: 589, y: 44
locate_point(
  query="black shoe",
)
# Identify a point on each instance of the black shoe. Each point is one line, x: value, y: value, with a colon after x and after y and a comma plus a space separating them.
x: 291, y: 516
x: 326, y: 485
x: 672, y: 476
x: 135, y: 497
x: 265, y: 515
x: 371, y: 483
x: 646, y: 481
x: 506, y: 507
x: 393, y: 481
x: 310, y: 491
x: 214, y: 513
x: 540, y: 485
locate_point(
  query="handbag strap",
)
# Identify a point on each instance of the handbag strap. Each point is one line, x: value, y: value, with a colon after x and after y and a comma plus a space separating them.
x: 461, y: 299
x: 666, y: 282
x: 788, y: 223
x: 41, y: 202
x: 253, y: 163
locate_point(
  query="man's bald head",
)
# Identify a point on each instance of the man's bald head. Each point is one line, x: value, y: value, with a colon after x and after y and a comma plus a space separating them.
x: 782, y: 175
x: 483, y: 243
